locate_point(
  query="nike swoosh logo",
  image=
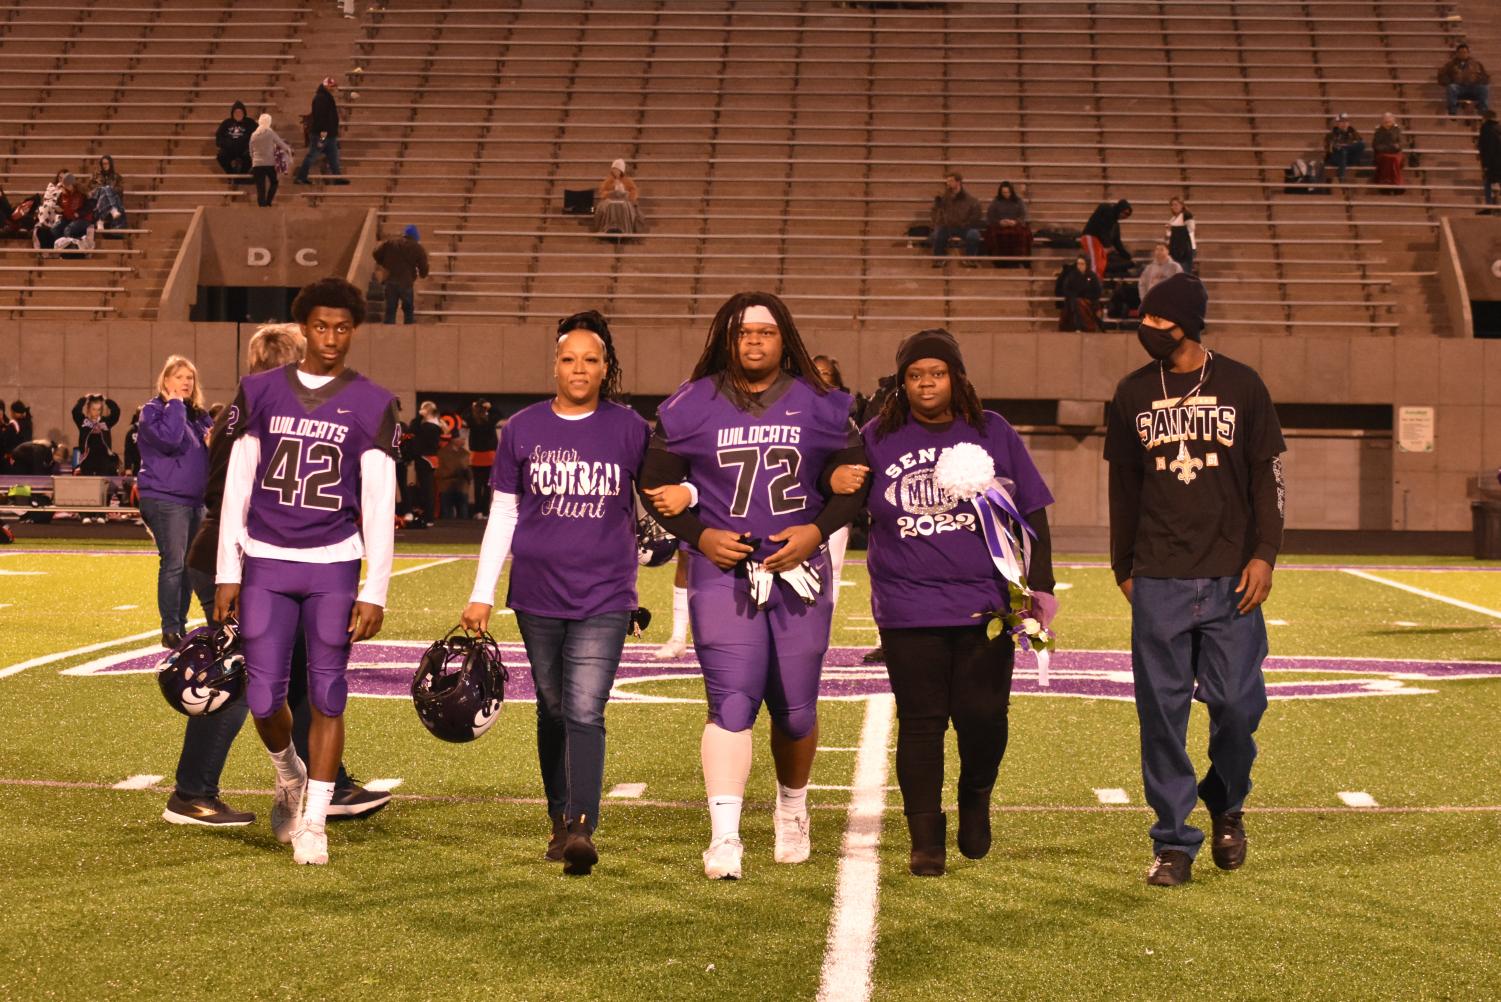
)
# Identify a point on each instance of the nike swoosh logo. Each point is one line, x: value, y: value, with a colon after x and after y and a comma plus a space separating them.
x: 204, y: 812
x: 793, y: 413
x: 340, y: 410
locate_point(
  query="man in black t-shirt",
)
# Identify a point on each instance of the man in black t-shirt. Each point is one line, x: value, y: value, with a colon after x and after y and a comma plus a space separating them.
x: 1195, y: 525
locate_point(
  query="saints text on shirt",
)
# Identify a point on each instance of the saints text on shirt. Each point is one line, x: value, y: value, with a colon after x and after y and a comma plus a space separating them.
x: 1196, y: 419
x: 326, y: 431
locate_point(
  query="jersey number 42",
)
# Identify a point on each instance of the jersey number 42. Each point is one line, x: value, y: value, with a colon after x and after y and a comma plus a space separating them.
x: 299, y: 476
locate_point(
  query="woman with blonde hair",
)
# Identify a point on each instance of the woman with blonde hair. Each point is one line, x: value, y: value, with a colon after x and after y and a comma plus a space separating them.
x: 174, y: 473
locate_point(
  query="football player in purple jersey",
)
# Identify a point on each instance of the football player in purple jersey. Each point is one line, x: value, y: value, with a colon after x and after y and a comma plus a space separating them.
x: 564, y: 508
x: 310, y: 490
x: 757, y: 433
x: 935, y: 590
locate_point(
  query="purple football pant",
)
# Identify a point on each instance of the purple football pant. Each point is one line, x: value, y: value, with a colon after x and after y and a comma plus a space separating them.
x: 774, y: 654
x: 279, y: 597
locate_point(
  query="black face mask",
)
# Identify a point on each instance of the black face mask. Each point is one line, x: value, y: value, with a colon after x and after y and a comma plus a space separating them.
x: 1159, y: 343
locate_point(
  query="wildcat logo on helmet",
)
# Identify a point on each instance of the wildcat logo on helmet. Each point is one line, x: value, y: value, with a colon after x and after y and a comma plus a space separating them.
x: 459, y: 686
x: 205, y: 673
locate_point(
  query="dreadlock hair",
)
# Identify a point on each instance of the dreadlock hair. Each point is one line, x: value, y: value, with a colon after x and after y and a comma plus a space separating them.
x: 595, y: 322
x: 966, y: 403
x: 721, y: 355
x: 837, y: 380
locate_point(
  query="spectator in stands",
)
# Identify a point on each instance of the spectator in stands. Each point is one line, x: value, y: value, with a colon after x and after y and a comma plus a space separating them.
x: 1182, y: 241
x: 10, y: 437
x: 1007, y: 233
x: 956, y: 213
x: 453, y: 479
x: 266, y: 149
x: 616, y: 211
x: 107, y: 189
x: 399, y: 262
x: 71, y: 213
x: 39, y: 458
x: 20, y: 415
x: 1488, y: 143
x: 1078, y: 292
x: 427, y: 431
x: 174, y: 433
x: 1161, y: 266
x: 483, y: 442
x: 48, y: 212
x: 1464, y: 79
x: 95, y: 414
x: 1102, y: 234
x: 18, y: 218
x: 133, y: 445
x: 1391, y: 154
x: 233, y: 141
x: 1343, y: 147
x: 323, y: 131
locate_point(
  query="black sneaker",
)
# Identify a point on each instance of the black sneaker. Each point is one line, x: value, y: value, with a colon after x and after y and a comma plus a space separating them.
x: 170, y: 640
x: 875, y: 657
x: 1171, y: 868
x: 354, y: 801
x: 1228, y: 843
x: 554, y: 853
x: 579, y: 854
x: 211, y: 812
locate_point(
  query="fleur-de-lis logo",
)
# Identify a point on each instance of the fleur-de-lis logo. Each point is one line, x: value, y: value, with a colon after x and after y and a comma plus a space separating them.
x: 1186, y: 466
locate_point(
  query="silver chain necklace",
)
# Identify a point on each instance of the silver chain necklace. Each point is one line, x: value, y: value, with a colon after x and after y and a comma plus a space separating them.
x: 1203, y: 374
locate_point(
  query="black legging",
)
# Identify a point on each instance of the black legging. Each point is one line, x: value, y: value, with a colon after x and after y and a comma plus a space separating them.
x: 266, y: 184
x: 941, y: 674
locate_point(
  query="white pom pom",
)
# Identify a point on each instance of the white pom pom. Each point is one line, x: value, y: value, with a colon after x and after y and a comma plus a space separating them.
x: 964, y: 470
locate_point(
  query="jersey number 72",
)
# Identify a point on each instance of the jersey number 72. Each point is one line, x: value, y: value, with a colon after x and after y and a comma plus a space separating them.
x: 749, y: 461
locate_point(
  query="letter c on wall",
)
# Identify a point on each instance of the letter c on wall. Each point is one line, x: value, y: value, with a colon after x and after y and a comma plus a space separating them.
x: 307, y: 257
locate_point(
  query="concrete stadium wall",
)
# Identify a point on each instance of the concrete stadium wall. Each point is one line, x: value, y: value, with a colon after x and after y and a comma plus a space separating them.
x: 1335, y: 482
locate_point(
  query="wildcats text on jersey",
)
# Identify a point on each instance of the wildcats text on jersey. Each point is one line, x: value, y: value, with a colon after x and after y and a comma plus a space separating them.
x: 326, y: 431
x: 1196, y: 419
x: 761, y: 434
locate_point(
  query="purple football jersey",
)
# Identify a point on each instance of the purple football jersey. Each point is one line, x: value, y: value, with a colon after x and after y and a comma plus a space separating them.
x: 307, y: 486
x: 928, y: 562
x: 756, y: 470
x: 574, y: 552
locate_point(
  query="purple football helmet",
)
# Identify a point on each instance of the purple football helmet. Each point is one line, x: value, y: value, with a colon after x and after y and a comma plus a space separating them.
x: 205, y: 673
x: 654, y: 544
x: 460, y: 685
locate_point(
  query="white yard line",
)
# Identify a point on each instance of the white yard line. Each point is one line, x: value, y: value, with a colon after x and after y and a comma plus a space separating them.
x: 1459, y: 603
x: 851, y: 951
x: 627, y: 791
x: 1357, y: 798
x: 144, y: 781
x: 1111, y: 795
x: 384, y: 785
x: 103, y: 645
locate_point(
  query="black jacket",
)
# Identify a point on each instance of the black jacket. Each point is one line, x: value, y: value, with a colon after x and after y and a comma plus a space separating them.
x: 1489, y: 142
x: 325, y: 114
x: 1105, y: 224
x: 234, y: 137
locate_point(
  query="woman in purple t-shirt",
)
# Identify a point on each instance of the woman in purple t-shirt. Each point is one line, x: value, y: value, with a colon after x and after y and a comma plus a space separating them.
x: 935, y: 589
x: 563, y: 508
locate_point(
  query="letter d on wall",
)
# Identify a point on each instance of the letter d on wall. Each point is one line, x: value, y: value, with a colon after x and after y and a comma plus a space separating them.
x: 257, y: 257
x: 307, y: 257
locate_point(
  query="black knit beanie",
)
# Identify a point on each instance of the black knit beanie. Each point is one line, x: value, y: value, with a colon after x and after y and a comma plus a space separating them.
x: 1182, y: 300
x: 936, y: 343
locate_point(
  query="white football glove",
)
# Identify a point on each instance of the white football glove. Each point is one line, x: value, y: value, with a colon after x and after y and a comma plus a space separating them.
x: 806, y: 580
x: 760, y: 582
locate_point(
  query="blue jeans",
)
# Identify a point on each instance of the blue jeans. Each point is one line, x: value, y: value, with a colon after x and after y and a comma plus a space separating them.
x: 942, y: 234
x: 173, y: 525
x: 1188, y: 642
x: 1344, y: 157
x: 573, y: 668
x: 398, y: 294
x: 328, y: 148
x: 1478, y: 93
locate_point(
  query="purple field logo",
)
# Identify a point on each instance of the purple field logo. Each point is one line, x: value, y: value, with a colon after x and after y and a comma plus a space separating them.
x: 383, y: 669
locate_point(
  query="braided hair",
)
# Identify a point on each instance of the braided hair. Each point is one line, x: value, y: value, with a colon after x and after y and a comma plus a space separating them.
x: 721, y: 356
x: 595, y: 322
x: 895, y: 409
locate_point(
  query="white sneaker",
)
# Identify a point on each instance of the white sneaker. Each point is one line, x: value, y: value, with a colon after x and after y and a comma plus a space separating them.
x: 722, y: 859
x: 286, y: 808
x: 310, y: 845
x: 793, y: 844
x: 672, y: 650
